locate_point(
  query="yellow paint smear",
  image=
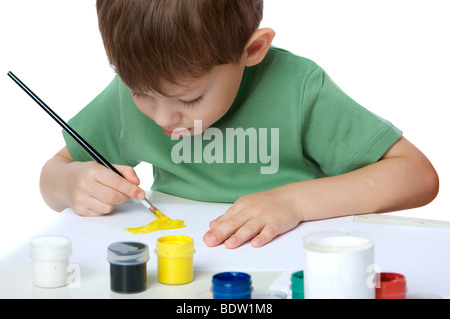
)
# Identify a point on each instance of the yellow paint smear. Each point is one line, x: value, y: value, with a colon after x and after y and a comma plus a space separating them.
x: 161, y: 223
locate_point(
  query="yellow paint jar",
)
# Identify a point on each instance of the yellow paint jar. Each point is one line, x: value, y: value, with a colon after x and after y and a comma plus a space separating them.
x: 175, y: 260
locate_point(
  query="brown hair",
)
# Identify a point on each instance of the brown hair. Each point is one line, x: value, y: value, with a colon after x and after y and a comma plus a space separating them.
x: 149, y: 42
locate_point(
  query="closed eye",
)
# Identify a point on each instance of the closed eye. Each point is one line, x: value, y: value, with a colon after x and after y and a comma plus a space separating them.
x: 193, y: 102
x: 185, y: 103
x: 137, y: 94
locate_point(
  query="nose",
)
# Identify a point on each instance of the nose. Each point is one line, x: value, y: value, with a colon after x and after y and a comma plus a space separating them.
x: 165, y: 116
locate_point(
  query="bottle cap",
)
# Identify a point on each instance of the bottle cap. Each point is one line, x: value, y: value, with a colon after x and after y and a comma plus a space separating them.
x: 297, y: 285
x: 127, y: 254
x: 391, y: 286
x: 338, y: 241
x: 50, y: 248
x: 232, y: 285
x: 175, y: 246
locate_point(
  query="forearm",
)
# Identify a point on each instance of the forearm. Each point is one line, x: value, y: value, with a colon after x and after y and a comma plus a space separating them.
x: 403, y: 179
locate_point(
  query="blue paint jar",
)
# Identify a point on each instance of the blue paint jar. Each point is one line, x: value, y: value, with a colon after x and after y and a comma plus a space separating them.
x: 232, y: 285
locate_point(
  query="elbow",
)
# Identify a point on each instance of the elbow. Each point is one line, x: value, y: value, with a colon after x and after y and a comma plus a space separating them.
x: 430, y: 184
x: 420, y: 179
x: 434, y: 186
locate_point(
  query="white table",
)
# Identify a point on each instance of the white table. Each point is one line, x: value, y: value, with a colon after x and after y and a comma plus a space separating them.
x: 418, y: 249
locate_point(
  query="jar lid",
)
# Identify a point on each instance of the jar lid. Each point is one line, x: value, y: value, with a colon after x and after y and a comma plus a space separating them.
x: 338, y: 241
x: 50, y: 247
x: 297, y: 280
x: 391, y: 285
x: 232, y: 281
x: 175, y: 246
x: 127, y: 253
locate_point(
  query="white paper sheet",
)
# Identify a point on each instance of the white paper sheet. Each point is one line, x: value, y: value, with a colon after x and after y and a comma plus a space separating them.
x: 91, y: 236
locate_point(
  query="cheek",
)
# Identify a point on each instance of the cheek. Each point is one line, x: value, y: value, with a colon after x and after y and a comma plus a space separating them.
x: 224, y: 95
x: 143, y: 107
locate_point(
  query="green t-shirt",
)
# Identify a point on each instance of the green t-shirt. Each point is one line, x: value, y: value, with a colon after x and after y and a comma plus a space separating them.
x: 288, y: 123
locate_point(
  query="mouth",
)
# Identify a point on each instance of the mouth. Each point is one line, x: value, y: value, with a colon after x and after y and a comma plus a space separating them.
x: 178, y: 133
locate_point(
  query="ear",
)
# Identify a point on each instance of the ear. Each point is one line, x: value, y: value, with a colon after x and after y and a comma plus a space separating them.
x: 258, y: 46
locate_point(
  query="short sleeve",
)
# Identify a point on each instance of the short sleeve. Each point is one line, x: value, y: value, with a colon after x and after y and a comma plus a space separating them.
x: 100, y: 125
x: 339, y: 134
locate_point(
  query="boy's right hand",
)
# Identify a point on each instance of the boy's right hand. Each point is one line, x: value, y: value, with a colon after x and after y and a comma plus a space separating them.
x: 89, y: 188
x: 94, y: 190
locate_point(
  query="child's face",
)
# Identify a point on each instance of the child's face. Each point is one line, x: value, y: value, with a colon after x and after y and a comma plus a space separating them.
x: 206, y: 99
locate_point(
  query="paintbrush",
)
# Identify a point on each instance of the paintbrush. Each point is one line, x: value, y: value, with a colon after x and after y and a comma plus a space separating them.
x: 99, y: 158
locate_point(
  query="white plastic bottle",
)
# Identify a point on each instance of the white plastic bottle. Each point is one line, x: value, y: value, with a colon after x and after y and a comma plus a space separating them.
x: 336, y: 265
x: 50, y: 258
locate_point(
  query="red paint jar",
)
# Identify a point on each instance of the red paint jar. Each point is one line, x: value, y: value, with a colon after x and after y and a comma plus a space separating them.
x: 391, y: 286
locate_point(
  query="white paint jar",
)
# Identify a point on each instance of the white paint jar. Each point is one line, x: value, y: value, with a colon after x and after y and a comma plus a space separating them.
x: 338, y: 265
x: 50, y: 258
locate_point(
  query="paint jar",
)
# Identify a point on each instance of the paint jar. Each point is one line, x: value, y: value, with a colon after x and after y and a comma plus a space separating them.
x: 338, y: 264
x: 175, y: 260
x: 50, y: 258
x: 128, y: 267
x: 391, y: 286
x: 232, y: 285
x: 297, y: 285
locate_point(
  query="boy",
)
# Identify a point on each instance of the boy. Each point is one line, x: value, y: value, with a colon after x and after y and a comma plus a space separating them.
x: 197, y: 91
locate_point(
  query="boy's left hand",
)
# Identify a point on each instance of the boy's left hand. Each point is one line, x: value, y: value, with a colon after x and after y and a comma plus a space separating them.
x: 258, y: 217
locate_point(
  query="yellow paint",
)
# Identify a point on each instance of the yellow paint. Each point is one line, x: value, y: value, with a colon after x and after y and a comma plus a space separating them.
x: 161, y: 223
x: 158, y: 214
x: 175, y: 260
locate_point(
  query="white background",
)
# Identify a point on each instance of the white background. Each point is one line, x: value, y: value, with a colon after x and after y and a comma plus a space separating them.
x: 392, y: 56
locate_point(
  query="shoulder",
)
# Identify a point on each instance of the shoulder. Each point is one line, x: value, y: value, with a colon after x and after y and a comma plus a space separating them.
x: 288, y: 62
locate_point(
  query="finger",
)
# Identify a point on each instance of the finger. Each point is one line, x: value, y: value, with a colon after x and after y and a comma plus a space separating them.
x: 87, y: 213
x: 223, y: 229
x: 109, y: 195
x: 214, y: 222
x: 117, y: 182
x: 92, y: 207
x: 228, y: 214
x: 267, y: 234
x: 101, y: 208
x: 129, y: 174
x: 244, y: 234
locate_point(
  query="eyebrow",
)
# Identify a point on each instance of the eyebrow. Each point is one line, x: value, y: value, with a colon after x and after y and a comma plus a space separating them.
x: 175, y: 96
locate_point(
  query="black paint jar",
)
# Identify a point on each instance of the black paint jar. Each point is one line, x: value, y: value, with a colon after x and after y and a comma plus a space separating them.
x: 128, y: 267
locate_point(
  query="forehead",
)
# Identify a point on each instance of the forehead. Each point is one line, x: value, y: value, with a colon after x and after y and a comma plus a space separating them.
x: 219, y: 75
x: 181, y: 87
x: 186, y: 86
